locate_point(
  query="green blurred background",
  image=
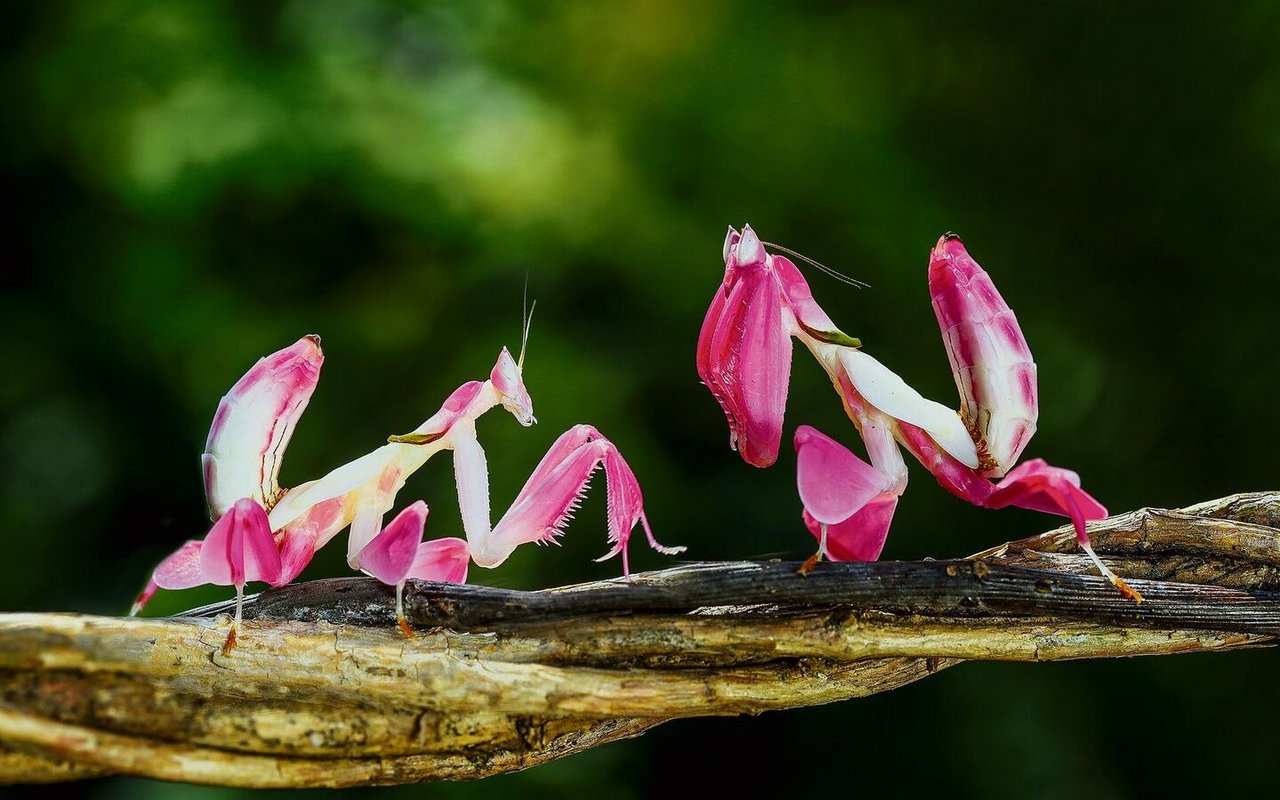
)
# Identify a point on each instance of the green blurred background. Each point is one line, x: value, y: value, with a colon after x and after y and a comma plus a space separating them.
x: 195, y: 184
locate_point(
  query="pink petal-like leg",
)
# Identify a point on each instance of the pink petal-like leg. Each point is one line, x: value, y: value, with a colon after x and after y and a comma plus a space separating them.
x: 861, y: 537
x: 390, y: 555
x: 398, y: 553
x: 442, y: 560
x: 181, y: 570
x: 835, y: 487
x: 1039, y: 486
x: 239, y: 548
x: 554, y: 490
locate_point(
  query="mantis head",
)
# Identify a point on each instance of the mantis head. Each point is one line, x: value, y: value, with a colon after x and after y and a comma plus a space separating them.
x: 508, y: 379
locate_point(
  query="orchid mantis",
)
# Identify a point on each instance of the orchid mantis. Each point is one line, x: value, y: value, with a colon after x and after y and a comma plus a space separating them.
x: 744, y: 358
x: 264, y: 533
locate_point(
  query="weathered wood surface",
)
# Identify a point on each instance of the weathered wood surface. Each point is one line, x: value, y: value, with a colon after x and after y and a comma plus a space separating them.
x: 323, y: 691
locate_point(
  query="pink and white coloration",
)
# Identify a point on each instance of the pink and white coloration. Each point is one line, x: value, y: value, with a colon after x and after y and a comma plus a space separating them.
x: 848, y: 504
x: 551, y: 496
x: 243, y: 453
x: 764, y: 301
x: 238, y: 548
x: 398, y: 553
x: 253, y: 426
x: 362, y: 491
x: 989, y: 356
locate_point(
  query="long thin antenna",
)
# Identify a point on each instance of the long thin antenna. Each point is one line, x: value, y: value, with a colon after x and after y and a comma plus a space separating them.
x: 840, y: 276
x: 526, y: 320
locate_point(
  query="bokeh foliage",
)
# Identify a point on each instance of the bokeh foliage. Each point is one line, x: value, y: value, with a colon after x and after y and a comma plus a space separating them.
x: 195, y: 184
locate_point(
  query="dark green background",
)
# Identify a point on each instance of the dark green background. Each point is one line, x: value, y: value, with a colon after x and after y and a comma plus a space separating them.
x: 195, y: 184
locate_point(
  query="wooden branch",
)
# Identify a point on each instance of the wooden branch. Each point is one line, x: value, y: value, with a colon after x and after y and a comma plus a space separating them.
x: 323, y: 691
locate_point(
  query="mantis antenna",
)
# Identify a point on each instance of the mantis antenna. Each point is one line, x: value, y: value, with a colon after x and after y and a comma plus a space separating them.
x: 526, y: 321
x: 840, y: 276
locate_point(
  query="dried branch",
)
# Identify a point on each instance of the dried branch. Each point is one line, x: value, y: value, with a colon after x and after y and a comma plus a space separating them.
x: 323, y: 691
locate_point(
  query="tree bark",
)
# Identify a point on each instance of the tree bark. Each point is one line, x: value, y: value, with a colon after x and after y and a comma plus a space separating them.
x: 322, y: 690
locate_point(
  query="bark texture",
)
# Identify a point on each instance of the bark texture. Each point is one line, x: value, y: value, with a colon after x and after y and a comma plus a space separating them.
x: 322, y: 690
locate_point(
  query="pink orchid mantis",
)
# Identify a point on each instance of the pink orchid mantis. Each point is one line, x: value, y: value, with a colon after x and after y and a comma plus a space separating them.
x: 251, y: 429
x: 265, y: 533
x: 744, y: 358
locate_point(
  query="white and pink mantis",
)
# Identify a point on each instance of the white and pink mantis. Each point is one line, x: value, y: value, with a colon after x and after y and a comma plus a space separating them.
x: 264, y: 533
x: 744, y: 358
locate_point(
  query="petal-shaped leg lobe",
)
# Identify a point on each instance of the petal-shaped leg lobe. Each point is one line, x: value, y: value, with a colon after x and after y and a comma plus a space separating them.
x: 443, y: 560
x: 389, y: 557
x: 834, y: 483
x: 861, y: 537
x: 240, y: 548
x: 182, y: 569
x: 1039, y: 486
x: 297, y: 547
x: 300, y: 539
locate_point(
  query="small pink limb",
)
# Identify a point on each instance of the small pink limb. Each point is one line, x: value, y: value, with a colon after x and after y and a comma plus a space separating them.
x: 1039, y: 486
x: 443, y: 560
x: 389, y: 556
x: 848, y: 504
x: 143, y: 597
x: 300, y: 539
x: 626, y: 509
x: 833, y: 482
x: 240, y: 548
x: 181, y: 570
x: 861, y: 537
